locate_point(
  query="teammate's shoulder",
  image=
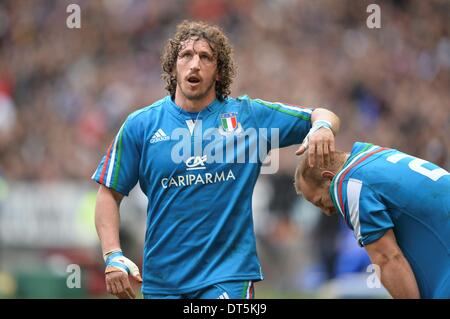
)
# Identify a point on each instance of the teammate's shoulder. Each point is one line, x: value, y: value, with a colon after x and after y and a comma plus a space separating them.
x: 359, y: 164
x: 147, y: 110
x: 363, y: 152
x: 359, y: 147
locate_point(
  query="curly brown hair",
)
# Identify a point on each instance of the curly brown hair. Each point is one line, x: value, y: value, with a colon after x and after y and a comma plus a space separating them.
x: 220, y: 46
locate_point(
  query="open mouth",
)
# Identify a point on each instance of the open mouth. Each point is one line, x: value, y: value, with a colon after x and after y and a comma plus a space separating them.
x: 193, y: 79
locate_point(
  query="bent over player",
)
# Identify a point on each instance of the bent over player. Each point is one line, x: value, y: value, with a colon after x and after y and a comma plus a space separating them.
x: 398, y: 207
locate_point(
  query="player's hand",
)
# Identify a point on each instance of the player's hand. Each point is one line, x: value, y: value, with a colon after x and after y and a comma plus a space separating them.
x: 320, y: 142
x: 118, y: 268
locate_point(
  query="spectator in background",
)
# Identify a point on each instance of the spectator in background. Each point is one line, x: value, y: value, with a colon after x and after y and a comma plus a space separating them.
x: 382, y: 81
x: 8, y: 115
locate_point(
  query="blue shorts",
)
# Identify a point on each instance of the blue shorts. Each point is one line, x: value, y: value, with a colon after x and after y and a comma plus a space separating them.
x: 223, y: 290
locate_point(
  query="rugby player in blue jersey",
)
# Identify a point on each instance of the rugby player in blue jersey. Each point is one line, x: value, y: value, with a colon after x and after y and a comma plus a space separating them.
x: 398, y: 207
x: 188, y: 153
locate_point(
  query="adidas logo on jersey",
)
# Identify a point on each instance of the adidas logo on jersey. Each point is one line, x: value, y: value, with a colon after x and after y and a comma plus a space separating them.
x: 224, y: 296
x: 159, y: 136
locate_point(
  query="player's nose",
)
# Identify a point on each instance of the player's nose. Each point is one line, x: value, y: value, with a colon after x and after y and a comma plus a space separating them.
x: 195, y: 63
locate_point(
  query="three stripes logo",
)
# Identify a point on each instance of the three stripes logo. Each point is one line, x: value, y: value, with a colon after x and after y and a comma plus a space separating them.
x: 159, y: 136
x: 224, y: 296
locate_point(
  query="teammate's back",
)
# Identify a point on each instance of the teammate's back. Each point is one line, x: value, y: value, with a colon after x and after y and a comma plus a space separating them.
x: 416, y: 199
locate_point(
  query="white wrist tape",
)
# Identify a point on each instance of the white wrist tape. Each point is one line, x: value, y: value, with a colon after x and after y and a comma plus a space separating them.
x: 115, y: 260
x: 317, y: 125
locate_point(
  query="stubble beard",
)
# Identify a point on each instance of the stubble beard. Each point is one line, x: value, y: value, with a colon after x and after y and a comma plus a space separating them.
x: 196, y: 96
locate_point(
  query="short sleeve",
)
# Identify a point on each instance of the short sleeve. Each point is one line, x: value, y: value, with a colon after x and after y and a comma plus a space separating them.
x: 119, y: 167
x: 367, y: 213
x: 292, y: 122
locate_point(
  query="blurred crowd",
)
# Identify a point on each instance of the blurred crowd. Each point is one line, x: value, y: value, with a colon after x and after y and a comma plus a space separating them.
x: 65, y: 92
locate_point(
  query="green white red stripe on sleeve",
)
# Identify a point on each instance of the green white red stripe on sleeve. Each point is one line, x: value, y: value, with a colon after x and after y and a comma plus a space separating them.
x: 108, y: 173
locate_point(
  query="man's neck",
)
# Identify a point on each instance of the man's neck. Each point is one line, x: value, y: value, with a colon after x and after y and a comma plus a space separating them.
x: 342, y: 161
x: 193, y: 105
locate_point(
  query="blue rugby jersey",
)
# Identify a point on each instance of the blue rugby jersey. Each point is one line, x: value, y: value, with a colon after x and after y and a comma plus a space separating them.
x: 379, y: 188
x: 198, y: 172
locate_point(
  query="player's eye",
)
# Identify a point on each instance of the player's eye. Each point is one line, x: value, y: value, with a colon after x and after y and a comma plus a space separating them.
x: 211, y: 59
x: 206, y: 57
x: 185, y: 55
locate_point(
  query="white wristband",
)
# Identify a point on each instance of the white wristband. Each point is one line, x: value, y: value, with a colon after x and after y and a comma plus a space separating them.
x: 319, y: 124
x: 315, y: 127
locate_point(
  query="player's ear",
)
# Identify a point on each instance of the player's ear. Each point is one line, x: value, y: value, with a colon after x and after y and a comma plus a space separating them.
x: 328, y: 175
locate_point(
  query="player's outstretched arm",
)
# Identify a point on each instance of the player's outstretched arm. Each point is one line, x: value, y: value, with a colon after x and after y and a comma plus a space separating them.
x: 118, y: 267
x: 320, y: 140
x: 396, y: 273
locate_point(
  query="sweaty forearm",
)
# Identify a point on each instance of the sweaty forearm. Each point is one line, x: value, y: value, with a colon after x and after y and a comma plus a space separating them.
x: 107, y: 220
x: 398, y: 277
x: 324, y: 114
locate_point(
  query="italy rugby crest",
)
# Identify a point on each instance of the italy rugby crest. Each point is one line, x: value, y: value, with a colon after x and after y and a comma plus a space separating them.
x: 229, y: 124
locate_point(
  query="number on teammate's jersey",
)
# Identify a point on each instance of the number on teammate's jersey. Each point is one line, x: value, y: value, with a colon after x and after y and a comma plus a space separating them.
x: 416, y: 164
